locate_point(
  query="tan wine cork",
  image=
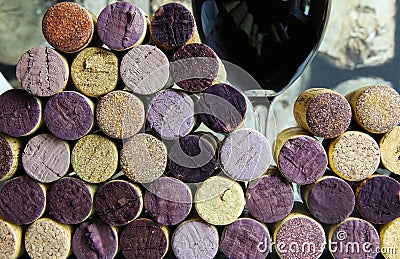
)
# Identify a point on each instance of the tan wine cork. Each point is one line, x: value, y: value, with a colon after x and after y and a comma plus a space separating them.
x: 323, y: 112
x: 390, y: 240
x: 10, y: 152
x: 354, y: 156
x: 10, y: 240
x: 94, y: 71
x: 376, y: 108
x: 390, y: 150
x: 46, y: 238
x: 94, y: 158
x: 219, y: 200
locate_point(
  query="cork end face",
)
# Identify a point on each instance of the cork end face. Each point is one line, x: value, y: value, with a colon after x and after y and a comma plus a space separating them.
x: 11, y: 240
x: 390, y: 240
x: 7, y: 157
x: 390, y: 150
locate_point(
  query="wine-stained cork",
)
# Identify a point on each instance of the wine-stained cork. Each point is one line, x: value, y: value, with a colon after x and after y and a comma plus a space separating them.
x: 70, y: 200
x: 376, y: 108
x: 171, y: 114
x: 323, y: 112
x: 354, y: 156
x: 144, y: 238
x: 94, y: 158
x: 299, y: 236
x: 389, y: 146
x: 245, y: 155
x: 300, y: 157
x: 46, y: 158
x: 10, y: 240
x: 145, y: 69
x: 95, y: 239
x: 20, y: 113
x: 10, y: 153
x: 194, y: 239
x: 69, y: 115
x: 390, y: 240
x: 42, y: 71
x: 120, y: 114
x: 378, y: 200
x: 168, y: 201
x: 122, y: 25
x: 222, y: 108
x: 46, y: 238
x: 68, y: 27
x: 94, y: 71
x: 118, y: 202
x: 330, y: 199
x: 219, y: 200
x: 22, y: 200
x: 143, y: 158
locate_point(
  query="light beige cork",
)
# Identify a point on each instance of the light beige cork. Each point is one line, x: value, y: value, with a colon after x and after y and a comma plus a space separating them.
x: 15, y: 145
x: 10, y: 240
x: 390, y: 240
x: 390, y: 150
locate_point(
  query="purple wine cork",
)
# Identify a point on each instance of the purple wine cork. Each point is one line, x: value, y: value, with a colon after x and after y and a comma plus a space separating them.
x: 22, y: 200
x: 69, y: 115
x: 68, y: 27
x: 378, y: 199
x: 330, y: 199
x: 390, y: 240
x: 144, y: 238
x: 353, y: 238
x: 168, y: 201
x: 42, y: 71
x: 245, y: 155
x: 194, y: 239
x: 270, y: 198
x: 21, y: 113
x: 222, y: 108
x: 122, y: 25
x: 245, y: 238
x: 389, y: 146
x: 118, y: 202
x: 70, y: 200
x: 171, y: 114
x: 95, y: 239
x: 46, y: 158
x: 193, y: 158
x: 10, y: 153
x: 11, y: 240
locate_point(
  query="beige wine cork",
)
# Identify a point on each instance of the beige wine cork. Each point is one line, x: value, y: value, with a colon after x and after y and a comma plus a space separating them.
x: 390, y: 150
x: 94, y: 158
x: 354, y: 156
x: 390, y: 240
x: 10, y: 240
x: 219, y: 200
x: 376, y: 108
x: 323, y: 112
x: 10, y: 152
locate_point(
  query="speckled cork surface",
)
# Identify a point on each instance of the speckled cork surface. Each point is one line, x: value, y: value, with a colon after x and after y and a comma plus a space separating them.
x: 390, y: 240
x: 10, y: 152
x: 11, y: 246
x: 389, y: 146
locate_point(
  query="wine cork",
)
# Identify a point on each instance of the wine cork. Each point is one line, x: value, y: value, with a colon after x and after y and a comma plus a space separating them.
x: 120, y: 114
x: 21, y: 113
x: 68, y: 27
x: 245, y: 155
x: 11, y: 240
x: 144, y: 238
x: 299, y: 236
x: 194, y: 239
x: 245, y: 238
x: 376, y: 108
x: 118, y: 202
x: 354, y: 156
x: 46, y: 158
x: 300, y: 157
x: 377, y: 199
x: 70, y: 200
x: 94, y: 158
x: 389, y: 146
x: 22, y: 200
x: 145, y: 69
x: 330, y: 199
x: 122, y: 25
x: 69, y: 115
x: 143, y: 158
x: 168, y: 201
x: 46, y: 238
x: 390, y: 240
x: 322, y: 112
x: 95, y: 239
x: 222, y: 108
x: 10, y: 153
x: 171, y: 114
x: 219, y: 200
x: 94, y: 71
x: 42, y: 71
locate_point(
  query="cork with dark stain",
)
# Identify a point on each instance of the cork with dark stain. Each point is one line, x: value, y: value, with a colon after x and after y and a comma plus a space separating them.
x: 10, y: 153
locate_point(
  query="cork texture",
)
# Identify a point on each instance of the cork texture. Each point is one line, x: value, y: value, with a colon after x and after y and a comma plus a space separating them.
x: 389, y: 146
x: 10, y: 240
x: 10, y: 153
x: 390, y: 239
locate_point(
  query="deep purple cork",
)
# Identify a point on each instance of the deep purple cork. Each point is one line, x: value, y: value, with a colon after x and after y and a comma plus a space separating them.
x: 6, y: 157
